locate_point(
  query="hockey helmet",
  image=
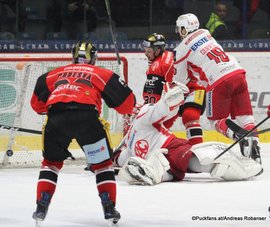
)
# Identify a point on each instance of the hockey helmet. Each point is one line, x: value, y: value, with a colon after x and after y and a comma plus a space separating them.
x: 84, y: 52
x: 186, y: 24
x: 155, y: 41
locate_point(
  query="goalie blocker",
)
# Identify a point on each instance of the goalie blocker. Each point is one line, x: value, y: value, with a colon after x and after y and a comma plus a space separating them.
x: 155, y: 168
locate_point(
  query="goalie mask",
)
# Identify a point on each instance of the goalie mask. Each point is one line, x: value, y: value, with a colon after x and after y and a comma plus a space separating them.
x: 84, y: 52
x: 186, y: 23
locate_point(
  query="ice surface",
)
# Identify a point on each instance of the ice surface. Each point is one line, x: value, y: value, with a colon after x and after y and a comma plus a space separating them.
x: 76, y: 204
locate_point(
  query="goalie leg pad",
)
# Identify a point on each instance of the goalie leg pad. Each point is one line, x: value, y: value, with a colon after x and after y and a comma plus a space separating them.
x: 228, y: 166
x: 137, y: 171
x: 145, y: 172
x: 157, y: 158
x: 236, y: 168
x: 206, y: 152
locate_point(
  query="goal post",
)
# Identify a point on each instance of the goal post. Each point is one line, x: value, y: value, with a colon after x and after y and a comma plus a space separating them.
x: 18, y: 76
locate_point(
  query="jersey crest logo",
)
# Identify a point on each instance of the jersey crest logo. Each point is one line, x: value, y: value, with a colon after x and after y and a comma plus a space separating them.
x: 141, y: 148
x: 155, y: 65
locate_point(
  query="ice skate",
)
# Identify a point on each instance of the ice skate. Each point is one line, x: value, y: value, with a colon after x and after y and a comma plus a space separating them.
x: 42, y: 208
x: 249, y: 147
x: 110, y: 213
x: 255, y: 152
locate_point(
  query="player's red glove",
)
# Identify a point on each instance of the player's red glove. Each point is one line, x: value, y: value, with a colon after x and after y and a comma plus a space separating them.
x: 268, y: 112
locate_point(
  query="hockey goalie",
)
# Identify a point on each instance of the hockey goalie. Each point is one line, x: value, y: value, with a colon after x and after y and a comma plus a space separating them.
x: 151, y: 154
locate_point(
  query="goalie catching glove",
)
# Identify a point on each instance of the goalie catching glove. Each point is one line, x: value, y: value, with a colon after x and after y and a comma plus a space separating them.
x: 173, y: 93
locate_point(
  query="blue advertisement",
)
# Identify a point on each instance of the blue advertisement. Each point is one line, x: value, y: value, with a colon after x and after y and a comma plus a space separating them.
x: 43, y: 46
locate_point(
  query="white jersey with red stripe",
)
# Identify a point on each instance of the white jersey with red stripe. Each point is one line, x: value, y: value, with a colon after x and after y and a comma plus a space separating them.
x: 147, y: 132
x: 199, y: 57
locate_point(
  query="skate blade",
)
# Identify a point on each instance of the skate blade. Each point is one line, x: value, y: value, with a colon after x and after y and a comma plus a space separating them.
x: 259, y: 173
x: 38, y: 223
x: 111, y: 223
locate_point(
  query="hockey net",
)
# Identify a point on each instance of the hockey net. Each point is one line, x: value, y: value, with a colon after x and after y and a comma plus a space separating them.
x: 17, y: 81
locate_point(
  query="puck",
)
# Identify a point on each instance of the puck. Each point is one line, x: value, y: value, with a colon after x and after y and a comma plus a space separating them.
x: 9, y: 153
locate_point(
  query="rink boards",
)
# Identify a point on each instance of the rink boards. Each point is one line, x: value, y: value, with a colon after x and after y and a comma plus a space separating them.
x: 30, y: 142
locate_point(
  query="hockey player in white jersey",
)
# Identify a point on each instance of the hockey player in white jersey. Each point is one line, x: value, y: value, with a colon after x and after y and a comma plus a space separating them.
x: 200, y: 57
x: 152, y: 154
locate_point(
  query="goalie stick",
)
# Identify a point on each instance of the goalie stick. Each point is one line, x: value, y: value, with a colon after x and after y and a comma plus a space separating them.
x: 240, y: 131
x: 242, y: 137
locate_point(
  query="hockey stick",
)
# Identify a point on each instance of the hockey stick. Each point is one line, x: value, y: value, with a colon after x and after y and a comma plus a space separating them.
x: 121, y: 144
x: 20, y: 129
x: 116, y: 152
x: 112, y: 31
x: 240, y: 131
x: 19, y: 108
x: 242, y: 137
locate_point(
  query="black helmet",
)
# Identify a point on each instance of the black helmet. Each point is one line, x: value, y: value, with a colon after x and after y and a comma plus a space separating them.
x: 155, y: 41
x: 84, y: 52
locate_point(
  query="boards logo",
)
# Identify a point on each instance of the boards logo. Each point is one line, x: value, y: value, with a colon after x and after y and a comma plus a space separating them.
x: 260, y: 99
x: 8, y: 89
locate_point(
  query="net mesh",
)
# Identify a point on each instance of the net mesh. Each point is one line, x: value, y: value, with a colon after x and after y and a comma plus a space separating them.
x: 16, y: 88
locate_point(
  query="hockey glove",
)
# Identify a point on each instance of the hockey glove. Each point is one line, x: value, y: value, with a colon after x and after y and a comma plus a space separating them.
x: 173, y: 93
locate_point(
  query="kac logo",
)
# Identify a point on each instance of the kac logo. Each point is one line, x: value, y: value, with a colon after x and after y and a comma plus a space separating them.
x: 141, y: 148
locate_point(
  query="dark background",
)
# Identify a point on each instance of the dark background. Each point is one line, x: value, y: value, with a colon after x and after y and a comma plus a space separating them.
x: 133, y: 19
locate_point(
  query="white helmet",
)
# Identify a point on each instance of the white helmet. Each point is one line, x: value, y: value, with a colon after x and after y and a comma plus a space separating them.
x: 186, y: 23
